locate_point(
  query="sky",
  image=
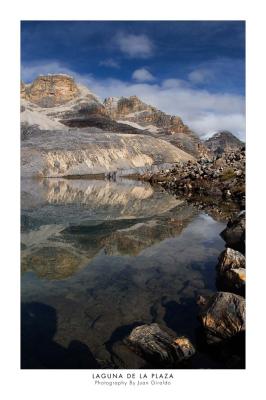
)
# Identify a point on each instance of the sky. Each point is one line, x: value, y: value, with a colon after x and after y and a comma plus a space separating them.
x: 193, y: 69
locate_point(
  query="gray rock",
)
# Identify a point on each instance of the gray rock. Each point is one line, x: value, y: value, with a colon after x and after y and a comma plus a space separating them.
x: 235, y: 232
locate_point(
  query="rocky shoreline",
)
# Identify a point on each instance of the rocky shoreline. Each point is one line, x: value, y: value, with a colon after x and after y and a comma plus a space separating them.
x: 217, y: 186
x: 219, y: 177
x: 222, y: 315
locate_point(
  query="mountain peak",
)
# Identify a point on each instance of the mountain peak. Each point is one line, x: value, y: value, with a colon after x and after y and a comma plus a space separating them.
x: 50, y: 90
x: 223, y: 141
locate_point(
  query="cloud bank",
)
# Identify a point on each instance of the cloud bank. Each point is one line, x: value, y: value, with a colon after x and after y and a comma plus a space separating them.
x: 203, y: 111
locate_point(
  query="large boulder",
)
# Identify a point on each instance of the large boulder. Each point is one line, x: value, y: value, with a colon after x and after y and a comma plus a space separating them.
x: 235, y: 232
x: 231, y: 270
x: 223, y: 317
x: 158, y: 346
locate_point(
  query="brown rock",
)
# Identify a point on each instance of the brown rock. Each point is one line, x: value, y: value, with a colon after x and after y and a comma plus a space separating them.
x: 50, y: 90
x: 230, y: 259
x: 231, y: 271
x: 223, y: 317
x: 158, y: 347
x: 171, y: 128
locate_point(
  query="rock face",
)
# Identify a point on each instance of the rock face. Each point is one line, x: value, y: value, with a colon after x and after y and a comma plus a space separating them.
x: 67, y: 130
x: 231, y: 270
x: 223, y: 317
x: 51, y: 90
x: 222, y: 142
x: 60, y: 153
x: 158, y: 347
x: 235, y: 232
x: 132, y: 111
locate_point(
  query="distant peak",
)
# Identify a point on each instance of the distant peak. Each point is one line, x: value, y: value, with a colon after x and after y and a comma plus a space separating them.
x: 223, y: 141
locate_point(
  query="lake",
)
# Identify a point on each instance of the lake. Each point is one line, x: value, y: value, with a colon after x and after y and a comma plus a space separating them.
x: 99, y: 258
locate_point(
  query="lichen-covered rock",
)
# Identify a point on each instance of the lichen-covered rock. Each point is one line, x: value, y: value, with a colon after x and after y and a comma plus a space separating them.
x: 223, y: 317
x: 235, y: 232
x: 158, y: 347
x: 231, y: 270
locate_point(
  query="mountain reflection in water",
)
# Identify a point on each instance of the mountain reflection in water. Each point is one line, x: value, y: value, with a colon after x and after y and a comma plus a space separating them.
x: 101, y: 257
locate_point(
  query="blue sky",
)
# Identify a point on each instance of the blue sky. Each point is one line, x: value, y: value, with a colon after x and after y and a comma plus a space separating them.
x: 194, y: 69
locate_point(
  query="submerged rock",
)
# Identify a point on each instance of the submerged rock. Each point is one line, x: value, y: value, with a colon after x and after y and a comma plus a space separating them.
x: 223, y: 317
x: 158, y: 347
x: 235, y: 232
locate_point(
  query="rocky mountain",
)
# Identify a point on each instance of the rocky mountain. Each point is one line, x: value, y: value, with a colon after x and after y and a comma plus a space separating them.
x: 134, y: 112
x: 223, y: 141
x: 57, y: 102
x: 51, y: 90
x: 67, y: 131
x: 63, y: 101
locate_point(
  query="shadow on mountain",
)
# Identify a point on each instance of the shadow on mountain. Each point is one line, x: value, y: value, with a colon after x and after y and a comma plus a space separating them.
x: 39, y: 350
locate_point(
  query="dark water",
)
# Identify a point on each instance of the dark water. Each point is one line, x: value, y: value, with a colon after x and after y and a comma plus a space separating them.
x: 98, y: 259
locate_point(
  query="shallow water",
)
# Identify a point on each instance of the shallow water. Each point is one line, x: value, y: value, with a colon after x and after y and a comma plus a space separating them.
x: 99, y: 258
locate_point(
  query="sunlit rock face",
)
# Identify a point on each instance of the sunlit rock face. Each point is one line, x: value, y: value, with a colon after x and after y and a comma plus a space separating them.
x: 60, y: 153
x: 53, y: 111
x: 50, y: 90
x: 52, y: 98
x: 57, y: 102
x: 134, y: 112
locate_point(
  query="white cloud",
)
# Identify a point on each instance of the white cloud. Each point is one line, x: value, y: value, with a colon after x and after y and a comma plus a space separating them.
x: 201, y: 110
x: 109, y: 62
x: 200, y: 75
x: 142, y: 75
x: 135, y: 46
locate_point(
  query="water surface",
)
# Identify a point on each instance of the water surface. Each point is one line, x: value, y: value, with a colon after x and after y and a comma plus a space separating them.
x: 99, y: 258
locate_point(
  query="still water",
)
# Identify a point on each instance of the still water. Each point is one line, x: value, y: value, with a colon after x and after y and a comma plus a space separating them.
x: 99, y: 258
